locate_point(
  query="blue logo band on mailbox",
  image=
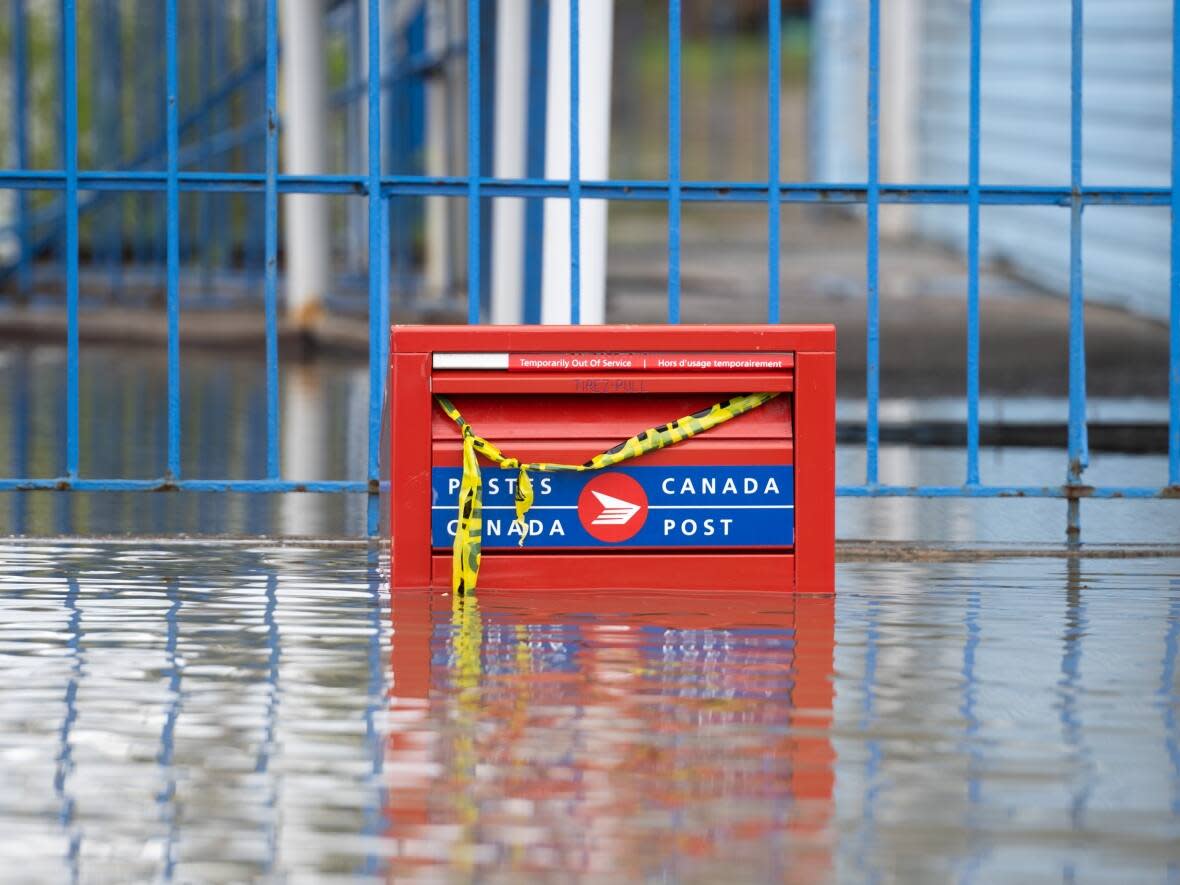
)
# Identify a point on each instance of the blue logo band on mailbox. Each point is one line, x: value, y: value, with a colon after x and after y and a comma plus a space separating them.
x: 689, y: 506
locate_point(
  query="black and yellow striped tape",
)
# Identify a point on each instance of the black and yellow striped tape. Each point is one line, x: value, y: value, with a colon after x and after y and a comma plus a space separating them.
x: 469, y: 532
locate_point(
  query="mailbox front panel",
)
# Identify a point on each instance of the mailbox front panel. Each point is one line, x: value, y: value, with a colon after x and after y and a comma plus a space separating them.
x: 735, y: 506
x: 730, y: 487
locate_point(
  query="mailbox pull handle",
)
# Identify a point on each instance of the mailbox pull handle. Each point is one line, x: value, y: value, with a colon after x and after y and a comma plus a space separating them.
x: 469, y: 531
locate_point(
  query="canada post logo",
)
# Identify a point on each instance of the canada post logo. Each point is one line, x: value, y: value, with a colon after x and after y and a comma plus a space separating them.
x: 725, y: 505
x: 612, y: 507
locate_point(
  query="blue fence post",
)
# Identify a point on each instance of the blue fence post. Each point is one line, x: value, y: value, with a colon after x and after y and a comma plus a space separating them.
x: 187, y: 81
x: 271, y: 238
x: 575, y: 182
x: 172, y: 209
x: 376, y: 212
x: 1174, y: 314
x: 872, y: 243
x: 973, y: 253
x: 674, y: 154
x: 774, y: 191
x: 487, y: 121
x: 69, y: 68
x: 1079, y: 454
x: 473, y: 158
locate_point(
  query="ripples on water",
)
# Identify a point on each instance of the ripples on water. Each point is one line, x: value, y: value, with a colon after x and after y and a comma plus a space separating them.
x: 223, y: 712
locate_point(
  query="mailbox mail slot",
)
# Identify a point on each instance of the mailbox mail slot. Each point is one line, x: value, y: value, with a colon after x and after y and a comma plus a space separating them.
x: 747, y: 504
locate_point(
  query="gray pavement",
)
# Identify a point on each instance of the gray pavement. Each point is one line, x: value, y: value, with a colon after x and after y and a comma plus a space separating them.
x: 923, y: 308
x: 923, y: 305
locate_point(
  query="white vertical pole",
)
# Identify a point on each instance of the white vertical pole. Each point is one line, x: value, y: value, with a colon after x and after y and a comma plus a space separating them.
x: 511, y: 119
x: 305, y: 151
x: 595, y: 33
x: 900, y: 83
x: 437, y: 237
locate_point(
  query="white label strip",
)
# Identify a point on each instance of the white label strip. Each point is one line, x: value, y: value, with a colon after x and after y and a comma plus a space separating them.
x: 482, y: 361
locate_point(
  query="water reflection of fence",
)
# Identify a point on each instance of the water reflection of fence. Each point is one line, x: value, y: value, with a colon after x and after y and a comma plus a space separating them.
x: 177, y: 652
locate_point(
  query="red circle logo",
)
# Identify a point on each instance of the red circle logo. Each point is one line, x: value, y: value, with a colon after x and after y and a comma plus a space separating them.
x: 612, y: 507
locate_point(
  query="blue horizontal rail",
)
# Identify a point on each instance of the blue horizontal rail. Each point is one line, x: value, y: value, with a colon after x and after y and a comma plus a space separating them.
x: 373, y: 486
x: 1070, y: 492
x: 652, y: 191
x: 164, y: 484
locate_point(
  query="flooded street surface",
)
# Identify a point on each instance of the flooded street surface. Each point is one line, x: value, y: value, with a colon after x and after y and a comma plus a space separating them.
x: 210, y: 711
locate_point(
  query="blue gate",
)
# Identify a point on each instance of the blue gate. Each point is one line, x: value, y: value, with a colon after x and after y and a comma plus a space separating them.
x: 56, y: 224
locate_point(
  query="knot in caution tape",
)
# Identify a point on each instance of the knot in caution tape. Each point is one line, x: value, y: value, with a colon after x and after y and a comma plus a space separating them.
x: 469, y: 531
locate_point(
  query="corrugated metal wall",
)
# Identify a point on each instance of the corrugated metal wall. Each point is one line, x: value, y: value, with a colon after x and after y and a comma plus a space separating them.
x: 1024, y: 125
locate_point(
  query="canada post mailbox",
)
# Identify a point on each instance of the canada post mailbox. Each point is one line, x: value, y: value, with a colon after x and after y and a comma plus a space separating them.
x: 737, y: 495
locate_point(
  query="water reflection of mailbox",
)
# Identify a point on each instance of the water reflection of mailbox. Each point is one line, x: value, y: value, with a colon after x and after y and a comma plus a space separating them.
x: 747, y: 502
x: 611, y: 733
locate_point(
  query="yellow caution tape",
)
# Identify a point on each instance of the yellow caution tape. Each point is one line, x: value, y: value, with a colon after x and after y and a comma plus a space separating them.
x: 469, y: 532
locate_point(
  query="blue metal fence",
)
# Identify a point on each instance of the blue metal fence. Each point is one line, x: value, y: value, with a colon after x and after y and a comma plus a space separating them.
x: 379, y: 187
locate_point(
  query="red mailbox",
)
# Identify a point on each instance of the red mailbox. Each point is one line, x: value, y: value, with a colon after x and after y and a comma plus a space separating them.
x: 747, y: 504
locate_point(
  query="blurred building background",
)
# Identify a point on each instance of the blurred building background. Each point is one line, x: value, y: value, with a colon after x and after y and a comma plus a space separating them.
x: 1025, y: 127
x: 121, y: 78
x: 524, y: 134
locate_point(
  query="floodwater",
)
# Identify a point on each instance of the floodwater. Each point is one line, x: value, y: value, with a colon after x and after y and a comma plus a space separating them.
x: 324, y: 436
x: 232, y: 711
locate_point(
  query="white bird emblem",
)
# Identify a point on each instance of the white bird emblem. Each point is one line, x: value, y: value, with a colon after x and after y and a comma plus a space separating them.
x: 615, y: 511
